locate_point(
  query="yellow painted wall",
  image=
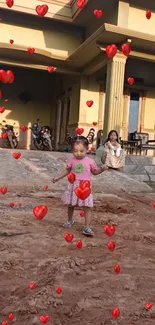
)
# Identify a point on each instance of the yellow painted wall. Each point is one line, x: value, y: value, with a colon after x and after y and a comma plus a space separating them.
x: 137, y: 21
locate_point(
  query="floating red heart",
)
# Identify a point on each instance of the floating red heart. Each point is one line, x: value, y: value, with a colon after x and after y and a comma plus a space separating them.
x: 126, y: 49
x: 79, y: 244
x: 32, y: 285
x: 42, y: 10
x: 98, y: 13
x: 82, y: 213
x: 89, y: 103
x: 131, y: 81
x: 19, y: 204
x: 11, y: 41
x: 7, y: 76
x: 94, y: 123
x: 58, y: 290
x: 115, y: 313
x: 153, y: 204
x: 51, y: 69
x: 149, y: 306
x: 31, y: 50
x: 84, y: 184
x: 6, y: 100
x: 40, y: 211
x: 45, y: 187
x: 10, y: 317
x: 4, y: 136
x: 44, y: 319
x: 79, y: 131
x: 68, y: 237
x: 111, y: 50
x: 23, y: 128
x: 80, y: 3
x: 71, y: 178
x: 16, y: 155
x: 12, y: 205
x: 3, y: 190
x: 117, y: 269
x: 111, y: 246
x: 92, y: 149
x: 148, y: 14
x: 2, y: 109
x: 5, y: 322
x: 9, y: 3
x: 82, y: 194
x: 109, y: 230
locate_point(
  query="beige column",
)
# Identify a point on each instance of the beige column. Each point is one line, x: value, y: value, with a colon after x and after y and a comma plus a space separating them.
x: 114, y: 94
x: 142, y: 117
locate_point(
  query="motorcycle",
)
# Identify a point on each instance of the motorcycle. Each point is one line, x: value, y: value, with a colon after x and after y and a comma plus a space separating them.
x: 41, y: 136
x: 9, y: 136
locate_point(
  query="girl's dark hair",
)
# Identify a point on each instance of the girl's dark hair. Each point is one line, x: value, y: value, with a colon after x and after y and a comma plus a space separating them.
x: 80, y: 139
x: 109, y: 135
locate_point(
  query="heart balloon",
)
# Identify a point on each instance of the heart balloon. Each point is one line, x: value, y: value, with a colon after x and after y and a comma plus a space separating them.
x: 51, y: 69
x: 19, y: 204
x: 4, y: 136
x: 115, y: 313
x: 6, y: 76
x: 131, y: 81
x: 82, y: 213
x: 79, y: 131
x: 80, y: 3
x: 94, y: 123
x: 71, y: 178
x: 40, y: 211
x: 16, y: 155
x: 79, y: 244
x: 31, y: 50
x: 68, y: 237
x: 109, y: 230
x: 45, y: 187
x: 12, y: 205
x: 3, y: 190
x: 111, y: 246
x: 84, y: 184
x: 32, y: 285
x: 148, y: 14
x: 149, y: 306
x: 44, y: 319
x: 82, y: 194
x: 98, y: 13
x: 5, y: 322
x: 2, y: 109
x: 126, y: 49
x: 9, y: 3
x: 117, y: 269
x: 23, y: 128
x: 42, y: 10
x: 11, y: 41
x: 58, y: 290
x: 89, y: 103
x: 153, y: 204
x: 111, y: 50
x: 92, y: 149
x: 10, y: 317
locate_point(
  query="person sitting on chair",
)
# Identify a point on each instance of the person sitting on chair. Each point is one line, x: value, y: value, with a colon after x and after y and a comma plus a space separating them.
x: 113, y: 155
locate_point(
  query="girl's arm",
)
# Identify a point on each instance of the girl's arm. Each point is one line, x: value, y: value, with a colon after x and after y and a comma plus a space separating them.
x: 99, y: 170
x: 61, y: 175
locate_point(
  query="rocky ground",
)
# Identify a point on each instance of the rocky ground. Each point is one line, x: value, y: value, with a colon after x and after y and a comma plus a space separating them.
x: 34, y: 250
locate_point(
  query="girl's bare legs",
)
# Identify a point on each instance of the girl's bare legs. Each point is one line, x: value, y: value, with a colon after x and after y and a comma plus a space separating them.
x: 69, y: 222
x: 88, y: 217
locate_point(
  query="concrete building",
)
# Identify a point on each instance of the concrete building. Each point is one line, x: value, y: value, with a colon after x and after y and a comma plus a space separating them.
x: 73, y: 40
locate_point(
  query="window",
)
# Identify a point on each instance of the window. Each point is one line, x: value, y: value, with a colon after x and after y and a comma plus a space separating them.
x: 133, y: 112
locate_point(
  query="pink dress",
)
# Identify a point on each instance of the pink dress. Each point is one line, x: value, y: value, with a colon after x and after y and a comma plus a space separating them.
x: 82, y: 169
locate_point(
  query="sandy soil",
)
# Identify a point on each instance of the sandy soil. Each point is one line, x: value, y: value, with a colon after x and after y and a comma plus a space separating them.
x: 35, y: 251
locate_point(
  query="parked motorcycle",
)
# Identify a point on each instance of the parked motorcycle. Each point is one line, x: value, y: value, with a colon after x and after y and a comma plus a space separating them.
x: 41, y: 136
x: 9, y: 136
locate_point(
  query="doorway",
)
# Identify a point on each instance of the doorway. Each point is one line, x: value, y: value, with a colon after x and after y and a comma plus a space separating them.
x: 133, y: 113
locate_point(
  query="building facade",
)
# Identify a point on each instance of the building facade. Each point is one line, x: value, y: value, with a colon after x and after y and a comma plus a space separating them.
x: 73, y: 40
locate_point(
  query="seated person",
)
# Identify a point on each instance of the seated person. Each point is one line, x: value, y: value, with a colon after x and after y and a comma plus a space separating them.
x: 113, y: 155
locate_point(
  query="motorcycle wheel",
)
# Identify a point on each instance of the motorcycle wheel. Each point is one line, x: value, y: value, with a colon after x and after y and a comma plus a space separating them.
x: 14, y: 143
x: 7, y: 143
x: 36, y: 145
x: 47, y: 144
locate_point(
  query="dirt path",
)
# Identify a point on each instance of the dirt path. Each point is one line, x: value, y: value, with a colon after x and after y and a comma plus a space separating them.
x: 35, y: 251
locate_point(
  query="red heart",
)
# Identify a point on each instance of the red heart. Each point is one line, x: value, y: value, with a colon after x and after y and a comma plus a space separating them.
x: 94, y: 123
x: 6, y: 76
x: 79, y: 131
x: 98, y: 13
x: 115, y: 313
x: 40, y: 211
x: 12, y: 205
x: 2, y: 109
x: 68, y: 237
x: 111, y: 246
x: 131, y: 81
x: 111, y: 50
x: 42, y: 10
x: 51, y: 69
x: 82, y: 194
x: 92, y: 149
x: 44, y: 319
x: 9, y: 3
x: 126, y: 49
x: 149, y: 306
x: 16, y: 155
x: 84, y: 184
x: 31, y: 50
x: 32, y: 285
x: 10, y: 316
x: 109, y: 230
x: 11, y: 41
x: 153, y: 204
x: 80, y: 3
x: 79, y: 244
x: 82, y: 213
x: 148, y: 14
x: 58, y: 290
x: 5, y: 322
x: 71, y: 178
x: 3, y: 190
x: 4, y: 136
x: 6, y: 100
x: 89, y: 103
x: 19, y: 204
x: 45, y: 187
x: 23, y: 128
x: 117, y: 269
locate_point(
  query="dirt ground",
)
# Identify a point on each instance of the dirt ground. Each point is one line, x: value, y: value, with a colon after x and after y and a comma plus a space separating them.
x: 35, y: 251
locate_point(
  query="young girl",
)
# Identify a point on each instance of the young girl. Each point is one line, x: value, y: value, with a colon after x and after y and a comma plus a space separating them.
x: 113, y: 155
x: 82, y: 167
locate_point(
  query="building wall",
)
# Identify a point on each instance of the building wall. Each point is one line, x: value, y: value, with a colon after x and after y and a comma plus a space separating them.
x: 137, y: 21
